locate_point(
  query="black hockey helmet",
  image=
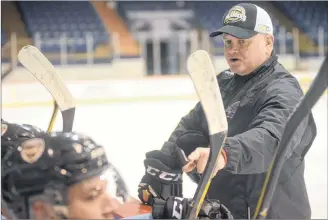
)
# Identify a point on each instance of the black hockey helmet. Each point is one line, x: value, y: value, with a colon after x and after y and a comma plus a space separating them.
x: 62, y: 160
x: 81, y: 158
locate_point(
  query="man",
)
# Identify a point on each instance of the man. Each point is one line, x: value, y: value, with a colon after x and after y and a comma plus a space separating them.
x: 67, y: 176
x: 258, y: 94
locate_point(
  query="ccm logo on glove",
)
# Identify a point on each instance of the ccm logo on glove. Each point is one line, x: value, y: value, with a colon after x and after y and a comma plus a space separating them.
x: 163, y: 175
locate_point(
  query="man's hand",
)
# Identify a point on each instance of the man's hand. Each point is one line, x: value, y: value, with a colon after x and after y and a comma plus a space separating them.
x: 199, y: 157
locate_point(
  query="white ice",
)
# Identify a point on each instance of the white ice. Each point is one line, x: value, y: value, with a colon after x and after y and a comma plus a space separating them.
x: 128, y: 130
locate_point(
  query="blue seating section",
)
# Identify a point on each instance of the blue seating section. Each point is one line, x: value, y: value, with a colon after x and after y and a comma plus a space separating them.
x: 308, y: 16
x: 52, y: 19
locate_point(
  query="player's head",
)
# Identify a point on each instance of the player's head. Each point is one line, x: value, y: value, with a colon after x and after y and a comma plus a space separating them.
x: 69, y: 177
x: 247, y: 34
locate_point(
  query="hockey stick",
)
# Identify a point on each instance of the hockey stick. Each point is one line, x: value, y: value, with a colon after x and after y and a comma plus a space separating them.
x: 55, y: 111
x: 36, y: 63
x: 303, y: 108
x: 53, y: 117
x: 203, y: 75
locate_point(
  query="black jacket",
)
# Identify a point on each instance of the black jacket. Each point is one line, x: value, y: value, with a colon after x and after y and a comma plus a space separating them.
x: 257, y: 108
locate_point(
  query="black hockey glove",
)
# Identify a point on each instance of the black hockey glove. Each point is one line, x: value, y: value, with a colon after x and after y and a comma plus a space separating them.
x: 163, y: 176
x: 177, y: 208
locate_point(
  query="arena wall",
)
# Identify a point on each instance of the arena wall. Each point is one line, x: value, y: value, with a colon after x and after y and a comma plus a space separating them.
x: 120, y: 68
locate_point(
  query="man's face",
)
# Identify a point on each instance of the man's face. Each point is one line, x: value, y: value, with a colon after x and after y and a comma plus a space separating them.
x: 90, y: 199
x: 245, y: 55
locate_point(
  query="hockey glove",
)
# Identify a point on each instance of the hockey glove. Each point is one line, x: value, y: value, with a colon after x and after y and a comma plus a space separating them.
x: 177, y: 208
x: 163, y: 176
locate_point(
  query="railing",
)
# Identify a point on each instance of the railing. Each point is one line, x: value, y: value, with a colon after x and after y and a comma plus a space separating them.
x: 162, y: 55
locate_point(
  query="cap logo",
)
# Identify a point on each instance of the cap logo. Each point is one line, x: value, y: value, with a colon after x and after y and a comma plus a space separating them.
x: 263, y: 28
x: 32, y: 149
x: 235, y: 14
x: 4, y: 129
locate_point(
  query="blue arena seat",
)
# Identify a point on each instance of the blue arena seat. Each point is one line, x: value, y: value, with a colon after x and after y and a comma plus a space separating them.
x: 52, y: 19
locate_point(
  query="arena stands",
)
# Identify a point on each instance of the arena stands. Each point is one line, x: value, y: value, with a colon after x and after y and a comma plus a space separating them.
x: 46, y: 21
x: 53, y: 18
x: 308, y: 16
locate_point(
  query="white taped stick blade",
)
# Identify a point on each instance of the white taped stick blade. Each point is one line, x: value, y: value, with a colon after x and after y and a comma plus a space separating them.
x: 36, y: 63
x: 202, y: 73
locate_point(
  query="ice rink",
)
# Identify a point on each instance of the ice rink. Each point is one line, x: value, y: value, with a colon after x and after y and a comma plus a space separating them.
x: 130, y: 129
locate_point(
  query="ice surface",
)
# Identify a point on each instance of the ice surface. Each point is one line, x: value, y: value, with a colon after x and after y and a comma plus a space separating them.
x: 128, y: 130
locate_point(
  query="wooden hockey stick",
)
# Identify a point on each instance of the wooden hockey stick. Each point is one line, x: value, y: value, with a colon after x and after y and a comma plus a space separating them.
x: 317, y: 88
x: 36, y: 63
x: 203, y: 75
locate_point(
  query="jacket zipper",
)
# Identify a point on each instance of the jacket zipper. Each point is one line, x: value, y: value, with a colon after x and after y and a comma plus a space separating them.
x: 248, y: 209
